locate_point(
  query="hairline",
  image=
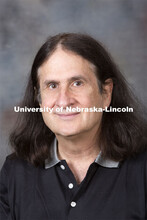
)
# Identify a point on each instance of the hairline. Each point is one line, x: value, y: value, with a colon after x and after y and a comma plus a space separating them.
x: 92, y: 66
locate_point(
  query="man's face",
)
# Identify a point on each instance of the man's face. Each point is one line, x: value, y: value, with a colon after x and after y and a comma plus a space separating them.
x: 68, y: 80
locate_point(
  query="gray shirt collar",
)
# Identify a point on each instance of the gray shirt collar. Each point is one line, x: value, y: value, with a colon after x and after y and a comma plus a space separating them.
x: 53, y: 159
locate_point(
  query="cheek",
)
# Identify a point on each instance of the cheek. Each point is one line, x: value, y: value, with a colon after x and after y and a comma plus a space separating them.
x: 47, y: 118
x: 92, y: 116
x: 47, y: 102
x: 91, y: 119
x: 91, y: 101
x: 91, y: 97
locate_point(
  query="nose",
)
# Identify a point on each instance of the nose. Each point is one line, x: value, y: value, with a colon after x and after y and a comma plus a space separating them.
x: 64, y: 98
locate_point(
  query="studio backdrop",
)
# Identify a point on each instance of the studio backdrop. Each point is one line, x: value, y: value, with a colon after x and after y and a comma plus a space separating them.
x: 25, y: 24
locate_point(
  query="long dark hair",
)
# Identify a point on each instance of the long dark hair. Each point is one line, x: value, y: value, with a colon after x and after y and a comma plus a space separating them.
x: 121, y: 133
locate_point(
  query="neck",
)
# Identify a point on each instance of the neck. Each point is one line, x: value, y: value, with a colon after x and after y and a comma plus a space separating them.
x: 81, y: 148
x: 79, y: 152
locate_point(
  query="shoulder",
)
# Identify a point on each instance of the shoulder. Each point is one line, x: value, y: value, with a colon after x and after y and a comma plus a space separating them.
x: 18, y: 173
x: 14, y: 160
x: 140, y: 158
x: 136, y: 166
x: 15, y: 165
x: 17, y: 178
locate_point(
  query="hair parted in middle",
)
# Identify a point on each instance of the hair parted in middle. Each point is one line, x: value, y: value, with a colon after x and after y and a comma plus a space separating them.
x: 120, y: 132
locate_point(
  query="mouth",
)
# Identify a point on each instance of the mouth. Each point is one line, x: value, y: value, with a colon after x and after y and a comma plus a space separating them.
x: 68, y: 116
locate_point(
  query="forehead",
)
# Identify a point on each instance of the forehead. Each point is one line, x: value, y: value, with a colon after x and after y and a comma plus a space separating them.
x: 63, y: 64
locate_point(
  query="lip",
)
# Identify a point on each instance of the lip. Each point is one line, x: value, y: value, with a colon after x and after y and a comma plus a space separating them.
x: 68, y: 116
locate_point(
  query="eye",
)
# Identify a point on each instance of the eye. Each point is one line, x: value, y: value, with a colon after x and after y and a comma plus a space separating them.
x: 52, y: 85
x: 77, y: 83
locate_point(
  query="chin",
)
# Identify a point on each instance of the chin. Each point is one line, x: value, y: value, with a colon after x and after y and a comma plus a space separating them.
x: 66, y: 133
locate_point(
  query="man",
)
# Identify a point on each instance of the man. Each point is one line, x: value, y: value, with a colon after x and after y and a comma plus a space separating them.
x: 76, y: 164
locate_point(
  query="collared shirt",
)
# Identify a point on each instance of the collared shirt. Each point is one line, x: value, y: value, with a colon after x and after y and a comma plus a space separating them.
x: 109, y: 191
x: 53, y: 159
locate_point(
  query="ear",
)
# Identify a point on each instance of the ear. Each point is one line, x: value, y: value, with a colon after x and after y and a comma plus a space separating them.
x: 107, y: 92
x: 37, y: 96
x: 39, y: 99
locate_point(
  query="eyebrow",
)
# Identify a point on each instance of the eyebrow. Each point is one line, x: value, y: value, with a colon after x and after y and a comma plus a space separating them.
x: 46, y: 82
x: 78, y: 77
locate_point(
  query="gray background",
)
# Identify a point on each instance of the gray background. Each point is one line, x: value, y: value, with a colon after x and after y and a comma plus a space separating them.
x: 121, y: 25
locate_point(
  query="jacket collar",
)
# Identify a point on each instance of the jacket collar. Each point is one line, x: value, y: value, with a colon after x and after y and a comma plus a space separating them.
x: 53, y: 159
